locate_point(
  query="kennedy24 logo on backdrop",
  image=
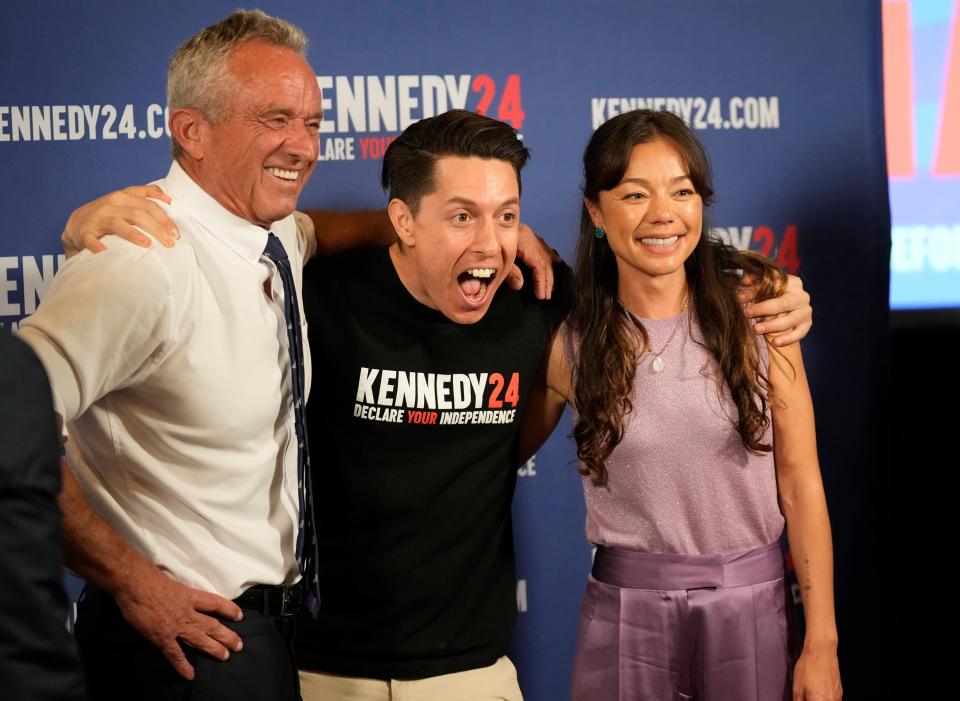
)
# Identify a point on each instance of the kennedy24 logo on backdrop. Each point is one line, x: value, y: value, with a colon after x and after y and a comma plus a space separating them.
x: 777, y: 244
x: 364, y: 113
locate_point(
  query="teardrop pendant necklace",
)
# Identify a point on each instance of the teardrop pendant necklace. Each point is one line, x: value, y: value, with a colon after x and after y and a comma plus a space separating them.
x: 658, y: 364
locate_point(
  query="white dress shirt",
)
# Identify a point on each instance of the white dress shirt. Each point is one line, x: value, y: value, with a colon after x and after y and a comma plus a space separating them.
x: 170, y: 368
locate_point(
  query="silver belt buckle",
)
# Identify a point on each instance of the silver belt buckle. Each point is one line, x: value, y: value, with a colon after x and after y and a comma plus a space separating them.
x: 290, y: 600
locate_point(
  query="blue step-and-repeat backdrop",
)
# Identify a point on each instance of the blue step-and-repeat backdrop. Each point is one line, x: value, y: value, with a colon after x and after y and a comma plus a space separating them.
x: 787, y: 96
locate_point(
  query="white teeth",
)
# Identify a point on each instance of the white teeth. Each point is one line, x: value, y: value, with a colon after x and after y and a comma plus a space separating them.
x: 482, y: 272
x: 285, y: 174
x: 659, y: 242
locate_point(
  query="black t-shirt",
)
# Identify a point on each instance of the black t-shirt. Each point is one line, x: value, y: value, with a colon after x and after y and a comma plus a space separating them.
x: 413, y: 421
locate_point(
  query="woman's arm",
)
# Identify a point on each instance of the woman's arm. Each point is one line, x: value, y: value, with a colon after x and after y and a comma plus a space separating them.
x: 804, y: 506
x: 550, y: 392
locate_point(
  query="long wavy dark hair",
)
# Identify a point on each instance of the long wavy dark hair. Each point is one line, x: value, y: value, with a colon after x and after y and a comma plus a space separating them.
x: 611, y: 340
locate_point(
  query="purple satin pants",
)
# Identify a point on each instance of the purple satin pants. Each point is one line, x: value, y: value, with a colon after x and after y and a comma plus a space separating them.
x: 665, y: 627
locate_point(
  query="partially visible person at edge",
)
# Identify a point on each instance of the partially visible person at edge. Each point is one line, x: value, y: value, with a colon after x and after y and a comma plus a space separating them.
x: 38, y: 658
x: 696, y: 443
x: 405, y: 478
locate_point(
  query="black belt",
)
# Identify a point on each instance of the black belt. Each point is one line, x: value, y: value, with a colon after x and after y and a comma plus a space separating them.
x: 272, y: 601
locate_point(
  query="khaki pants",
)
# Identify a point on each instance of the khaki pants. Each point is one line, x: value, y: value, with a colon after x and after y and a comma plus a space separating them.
x: 498, y: 682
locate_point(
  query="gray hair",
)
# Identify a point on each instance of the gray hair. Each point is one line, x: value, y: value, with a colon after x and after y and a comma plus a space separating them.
x: 198, y: 69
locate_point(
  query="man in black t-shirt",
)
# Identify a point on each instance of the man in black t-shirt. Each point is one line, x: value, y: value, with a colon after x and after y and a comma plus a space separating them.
x: 422, y: 365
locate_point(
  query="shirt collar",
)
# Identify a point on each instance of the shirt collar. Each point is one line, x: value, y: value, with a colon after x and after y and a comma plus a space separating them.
x: 245, y: 239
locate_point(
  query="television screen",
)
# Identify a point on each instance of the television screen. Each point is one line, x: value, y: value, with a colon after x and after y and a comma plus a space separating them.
x: 921, y: 46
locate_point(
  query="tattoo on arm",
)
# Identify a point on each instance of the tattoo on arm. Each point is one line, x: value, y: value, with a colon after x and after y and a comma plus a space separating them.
x: 805, y: 583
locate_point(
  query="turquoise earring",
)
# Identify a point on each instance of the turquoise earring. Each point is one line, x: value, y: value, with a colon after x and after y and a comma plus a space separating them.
x: 598, y: 232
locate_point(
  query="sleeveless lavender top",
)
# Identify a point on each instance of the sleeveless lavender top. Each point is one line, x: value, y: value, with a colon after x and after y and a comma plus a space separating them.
x: 681, y: 481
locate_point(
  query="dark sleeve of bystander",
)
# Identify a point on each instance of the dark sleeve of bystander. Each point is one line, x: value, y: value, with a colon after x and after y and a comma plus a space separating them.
x: 38, y: 658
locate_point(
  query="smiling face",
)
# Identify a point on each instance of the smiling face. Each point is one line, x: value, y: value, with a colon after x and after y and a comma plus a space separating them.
x: 256, y: 161
x: 653, y: 217
x: 456, y: 251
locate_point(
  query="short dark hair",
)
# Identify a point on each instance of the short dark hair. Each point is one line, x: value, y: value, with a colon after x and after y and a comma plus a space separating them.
x: 409, y: 163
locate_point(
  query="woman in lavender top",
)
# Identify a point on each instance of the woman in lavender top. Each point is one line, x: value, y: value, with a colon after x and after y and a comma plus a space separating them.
x: 696, y: 443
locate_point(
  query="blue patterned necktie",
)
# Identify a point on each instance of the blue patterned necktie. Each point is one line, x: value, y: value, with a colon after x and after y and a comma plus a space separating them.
x: 306, y: 536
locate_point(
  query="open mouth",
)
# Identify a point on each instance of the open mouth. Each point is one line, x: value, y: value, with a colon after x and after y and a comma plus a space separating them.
x: 475, y: 282
x: 288, y: 175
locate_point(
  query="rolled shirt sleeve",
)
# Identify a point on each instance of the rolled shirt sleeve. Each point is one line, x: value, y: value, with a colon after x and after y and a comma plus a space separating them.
x: 105, y: 323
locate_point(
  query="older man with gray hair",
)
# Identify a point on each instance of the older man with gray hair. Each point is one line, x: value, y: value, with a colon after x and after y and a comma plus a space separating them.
x: 180, y: 375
